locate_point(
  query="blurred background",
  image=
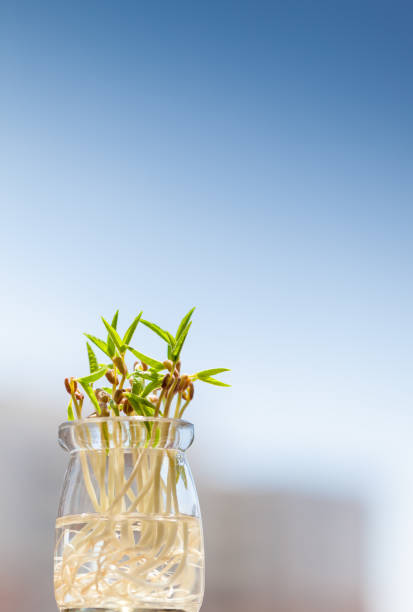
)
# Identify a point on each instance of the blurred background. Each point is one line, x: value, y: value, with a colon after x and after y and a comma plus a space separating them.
x: 253, y: 159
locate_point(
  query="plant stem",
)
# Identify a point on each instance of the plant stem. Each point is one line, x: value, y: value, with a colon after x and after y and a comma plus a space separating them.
x: 158, y: 403
x: 178, y: 405
x: 114, y: 385
x: 170, y: 397
x: 183, y: 408
x: 77, y: 407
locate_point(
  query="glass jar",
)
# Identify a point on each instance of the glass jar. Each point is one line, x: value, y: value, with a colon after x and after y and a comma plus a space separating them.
x: 128, y: 532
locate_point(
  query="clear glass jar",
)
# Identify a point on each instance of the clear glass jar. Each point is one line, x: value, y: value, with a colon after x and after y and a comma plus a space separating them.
x: 128, y: 532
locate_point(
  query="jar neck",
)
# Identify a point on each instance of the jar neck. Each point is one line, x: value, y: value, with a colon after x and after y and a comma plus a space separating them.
x: 127, y: 433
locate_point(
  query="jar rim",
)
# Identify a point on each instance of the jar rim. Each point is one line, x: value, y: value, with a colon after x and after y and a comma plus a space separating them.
x: 133, y: 432
x: 124, y: 418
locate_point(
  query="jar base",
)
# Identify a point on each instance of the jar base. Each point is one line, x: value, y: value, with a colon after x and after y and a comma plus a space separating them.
x: 122, y: 609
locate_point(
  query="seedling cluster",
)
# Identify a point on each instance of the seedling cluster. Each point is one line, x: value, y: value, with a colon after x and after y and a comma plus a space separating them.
x: 151, y: 388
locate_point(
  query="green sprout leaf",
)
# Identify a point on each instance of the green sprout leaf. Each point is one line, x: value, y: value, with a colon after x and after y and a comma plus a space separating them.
x: 117, y: 340
x: 138, y: 386
x: 93, y: 377
x: 148, y: 375
x: 99, y: 343
x: 111, y: 344
x: 152, y: 386
x: 165, y: 335
x: 90, y: 393
x: 70, y: 415
x: 113, y: 406
x: 141, y: 405
x: 157, y: 365
x: 93, y: 362
x: 213, y: 381
x: 206, y: 373
x: 131, y: 329
x: 184, y: 323
x: 176, y: 351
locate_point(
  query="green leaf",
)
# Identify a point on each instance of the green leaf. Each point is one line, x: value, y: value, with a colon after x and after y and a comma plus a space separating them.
x: 89, y: 392
x: 171, y: 339
x: 99, y: 343
x: 93, y: 377
x: 113, y: 406
x: 165, y: 335
x: 111, y: 345
x: 176, y: 351
x: 213, y: 381
x: 70, y: 415
x: 152, y: 386
x: 131, y: 329
x: 184, y: 323
x: 157, y: 365
x: 206, y: 373
x: 148, y: 375
x: 93, y: 362
x: 117, y: 340
x: 115, y: 320
x: 140, y: 405
x: 137, y: 386
x: 150, y: 408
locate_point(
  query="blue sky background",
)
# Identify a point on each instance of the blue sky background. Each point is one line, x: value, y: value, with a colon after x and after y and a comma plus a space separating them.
x: 254, y: 159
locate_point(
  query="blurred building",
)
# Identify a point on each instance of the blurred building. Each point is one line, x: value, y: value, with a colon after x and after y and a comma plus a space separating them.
x: 283, y: 552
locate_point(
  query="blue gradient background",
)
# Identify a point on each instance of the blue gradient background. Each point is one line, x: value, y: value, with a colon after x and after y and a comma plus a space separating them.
x: 254, y: 159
